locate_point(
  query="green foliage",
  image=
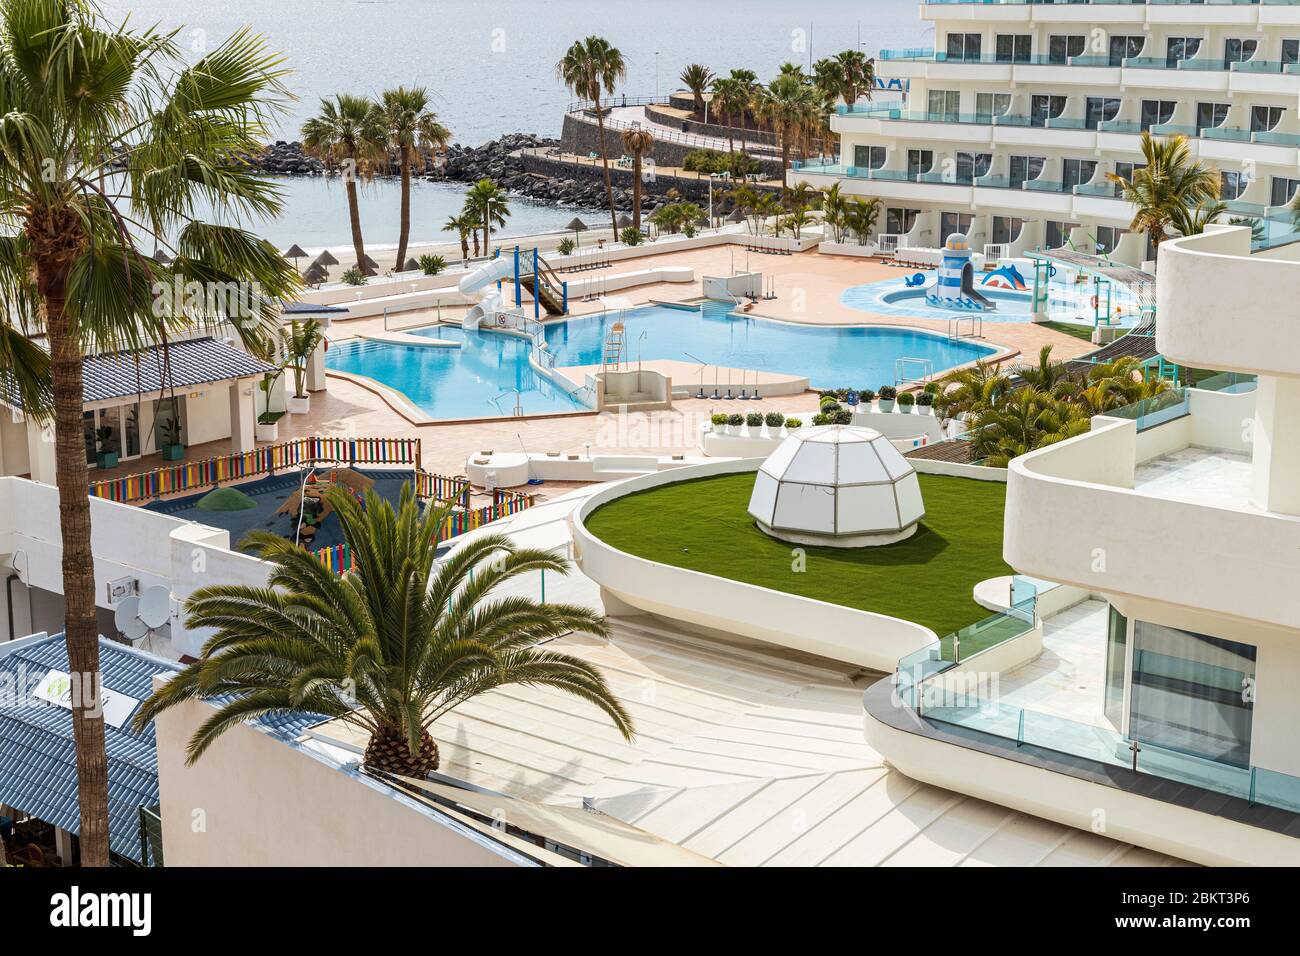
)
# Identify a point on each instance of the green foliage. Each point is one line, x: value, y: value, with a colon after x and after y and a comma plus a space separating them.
x: 754, y: 419
x: 735, y: 421
x: 888, y: 393
x: 793, y: 423
x: 774, y: 419
x: 907, y: 399
x: 631, y: 236
x: 925, y: 399
x: 718, y: 418
x: 354, y: 276
x: 566, y: 246
x: 432, y: 265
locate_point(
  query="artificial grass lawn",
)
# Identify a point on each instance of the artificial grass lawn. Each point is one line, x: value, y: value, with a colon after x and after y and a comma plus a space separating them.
x: 1069, y: 328
x: 702, y: 525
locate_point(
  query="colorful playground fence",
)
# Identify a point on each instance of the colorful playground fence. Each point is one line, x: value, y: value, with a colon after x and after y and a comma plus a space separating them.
x: 268, y: 459
x: 339, y: 558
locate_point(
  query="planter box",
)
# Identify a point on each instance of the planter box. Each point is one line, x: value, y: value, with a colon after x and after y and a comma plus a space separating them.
x: 299, y: 406
x: 267, y: 431
x: 173, y: 452
x: 106, y: 459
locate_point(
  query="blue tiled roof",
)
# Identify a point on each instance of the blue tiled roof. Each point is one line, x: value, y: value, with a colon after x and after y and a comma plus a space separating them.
x: 38, y: 763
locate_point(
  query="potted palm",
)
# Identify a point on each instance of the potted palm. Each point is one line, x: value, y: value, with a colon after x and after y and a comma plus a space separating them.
x: 461, y: 633
x: 268, y: 427
x: 301, y: 340
x: 105, y: 447
x: 887, y: 395
x: 170, y: 433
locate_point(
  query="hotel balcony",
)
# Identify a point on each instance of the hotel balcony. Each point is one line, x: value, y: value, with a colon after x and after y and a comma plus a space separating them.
x: 1138, y: 12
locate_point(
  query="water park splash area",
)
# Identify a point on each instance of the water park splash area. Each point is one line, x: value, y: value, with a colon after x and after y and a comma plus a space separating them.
x: 1062, y: 286
x: 482, y: 373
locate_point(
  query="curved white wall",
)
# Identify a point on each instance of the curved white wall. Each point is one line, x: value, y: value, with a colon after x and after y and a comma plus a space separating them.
x: 1222, y: 308
x: 816, y: 627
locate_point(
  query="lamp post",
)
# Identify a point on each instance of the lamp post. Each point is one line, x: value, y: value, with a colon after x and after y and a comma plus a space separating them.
x: 656, y: 75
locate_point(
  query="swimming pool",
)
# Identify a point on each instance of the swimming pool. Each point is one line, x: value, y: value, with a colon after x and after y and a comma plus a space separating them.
x: 473, y: 381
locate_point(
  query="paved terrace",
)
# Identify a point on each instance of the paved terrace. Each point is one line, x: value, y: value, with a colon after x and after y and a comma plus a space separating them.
x: 745, y: 754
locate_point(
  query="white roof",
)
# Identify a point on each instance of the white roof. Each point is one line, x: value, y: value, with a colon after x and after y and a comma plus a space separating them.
x: 837, y: 479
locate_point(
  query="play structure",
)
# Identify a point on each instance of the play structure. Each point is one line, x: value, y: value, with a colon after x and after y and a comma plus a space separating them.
x: 954, y: 288
x: 528, y: 271
x: 1005, y: 277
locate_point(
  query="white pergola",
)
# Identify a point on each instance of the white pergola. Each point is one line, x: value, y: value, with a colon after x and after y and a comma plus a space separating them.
x: 837, y: 485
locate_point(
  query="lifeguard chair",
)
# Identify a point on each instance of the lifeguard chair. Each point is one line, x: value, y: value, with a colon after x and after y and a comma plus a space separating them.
x: 615, y: 344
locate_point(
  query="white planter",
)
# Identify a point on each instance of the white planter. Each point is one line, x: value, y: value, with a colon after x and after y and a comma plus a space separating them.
x: 269, y: 432
x: 925, y: 409
x: 298, y: 406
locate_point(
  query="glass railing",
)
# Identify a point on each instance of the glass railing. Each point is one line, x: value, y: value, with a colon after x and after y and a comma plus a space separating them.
x: 908, y: 53
x: 1233, y: 382
x: 1103, y: 188
x: 1229, y: 133
x: 1044, y: 186
x: 1276, y: 139
x: 1119, y: 126
x: 1173, y: 129
x: 1156, y: 410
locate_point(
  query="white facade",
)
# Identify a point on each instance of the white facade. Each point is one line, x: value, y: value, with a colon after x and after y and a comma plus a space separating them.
x: 1015, y: 118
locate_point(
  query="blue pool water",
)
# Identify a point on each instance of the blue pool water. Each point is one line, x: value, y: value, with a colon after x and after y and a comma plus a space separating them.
x: 472, y: 381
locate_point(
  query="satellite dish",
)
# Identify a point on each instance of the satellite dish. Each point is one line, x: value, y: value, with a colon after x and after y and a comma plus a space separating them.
x: 155, y: 607
x: 127, y: 619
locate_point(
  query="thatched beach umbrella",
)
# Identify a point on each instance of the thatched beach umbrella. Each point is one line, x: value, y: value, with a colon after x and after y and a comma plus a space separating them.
x: 325, y: 259
x: 369, y: 270
x: 411, y: 266
x: 577, y: 225
x: 161, y: 257
x: 371, y: 263
x: 736, y: 215
x: 315, y: 274
x: 624, y: 221
x: 295, y: 252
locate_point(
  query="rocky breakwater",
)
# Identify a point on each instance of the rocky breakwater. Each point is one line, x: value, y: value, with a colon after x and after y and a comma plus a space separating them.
x: 285, y: 159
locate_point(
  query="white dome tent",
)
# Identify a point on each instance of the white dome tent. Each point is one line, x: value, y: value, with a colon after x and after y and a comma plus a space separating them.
x: 837, y: 485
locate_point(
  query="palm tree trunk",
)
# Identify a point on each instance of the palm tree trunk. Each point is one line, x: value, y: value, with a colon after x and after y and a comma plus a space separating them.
x: 604, y: 162
x: 354, y: 213
x: 80, y: 628
x: 404, y: 233
x: 636, y: 191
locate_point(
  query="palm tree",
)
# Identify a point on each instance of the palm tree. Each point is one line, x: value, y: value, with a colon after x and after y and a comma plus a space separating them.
x: 486, y: 205
x: 390, y: 647
x: 785, y: 104
x: 747, y: 82
x: 697, y: 78
x: 1170, y: 183
x: 846, y: 76
x: 1192, y: 220
x: 638, y: 141
x: 411, y: 129
x: 590, y: 68
x: 728, y: 95
x: 348, y: 133
x: 107, y: 134
x: 860, y: 216
x: 464, y: 228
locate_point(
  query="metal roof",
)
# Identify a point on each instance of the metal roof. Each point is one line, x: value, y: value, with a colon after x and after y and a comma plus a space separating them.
x: 311, y: 308
x: 191, y: 362
x: 38, y: 762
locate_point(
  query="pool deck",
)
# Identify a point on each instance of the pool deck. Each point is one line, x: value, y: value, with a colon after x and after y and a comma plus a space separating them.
x: 808, y: 288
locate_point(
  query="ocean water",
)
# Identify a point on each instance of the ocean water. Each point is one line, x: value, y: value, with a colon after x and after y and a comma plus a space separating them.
x: 480, y: 379
x: 491, y: 70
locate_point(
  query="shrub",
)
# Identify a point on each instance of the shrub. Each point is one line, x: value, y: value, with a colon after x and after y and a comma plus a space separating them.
x: 907, y: 399
x: 354, y: 276
x: 832, y: 408
x: 735, y: 420
x: 925, y: 398
x: 704, y: 161
x: 866, y: 396
x: 828, y: 399
x: 754, y: 419
x: 842, y: 417
x: 888, y: 392
x: 774, y: 419
x: 689, y: 230
x: 718, y: 418
x: 432, y: 265
x: 566, y: 246
x: 794, y: 423
x: 821, y: 419
x: 931, y: 388
x: 631, y: 236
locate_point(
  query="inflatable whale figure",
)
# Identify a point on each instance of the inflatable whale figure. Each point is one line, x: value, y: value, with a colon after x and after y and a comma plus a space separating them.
x: 955, y: 286
x: 1005, y: 277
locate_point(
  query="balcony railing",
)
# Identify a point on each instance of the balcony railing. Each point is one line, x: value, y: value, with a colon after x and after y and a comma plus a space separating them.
x: 1191, y: 64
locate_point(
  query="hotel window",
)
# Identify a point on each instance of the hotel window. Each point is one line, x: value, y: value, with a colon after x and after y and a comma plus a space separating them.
x: 963, y: 46
x: 953, y: 222
x: 1238, y: 51
x: 1013, y: 47
x: 988, y: 105
x: 1062, y: 46
x: 1232, y: 185
x: 1264, y: 118
x: 1155, y: 112
x: 1023, y: 168
x: 1100, y: 109
x: 869, y: 157
x: 1116, y: 661
x: 1210, y: 115
x: 1283, y: 190
x: 1075, y: 172
x: 1124, y: 48
x: 900, y: 221
x: 1191, y: 693
x: 919, y: 161
x: 1126, y: 171
x: 1058, y: 233
x: 1006, y: 229
x: 971, y: 165
x: 1178, y: 49
x: 1042, y: 108
x: 945, y: 103
x: 1106, y: 238
x: 1290, y: 51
